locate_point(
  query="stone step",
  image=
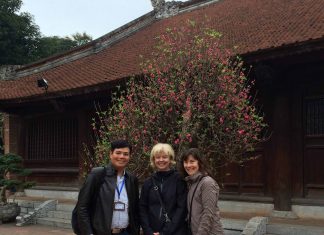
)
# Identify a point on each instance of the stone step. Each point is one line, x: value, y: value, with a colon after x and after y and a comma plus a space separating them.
x: 26, y: 210
x: 53, y: 192
x: 27, y: 203
x: 60, y: 214
x: 235, y: 225
x: 67, y: 207
x: 294, y: 229
x: 230, y: 232
x: 55, y: 222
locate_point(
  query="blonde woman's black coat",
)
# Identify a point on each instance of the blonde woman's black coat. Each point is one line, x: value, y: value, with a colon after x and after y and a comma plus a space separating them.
x: 173, y: 192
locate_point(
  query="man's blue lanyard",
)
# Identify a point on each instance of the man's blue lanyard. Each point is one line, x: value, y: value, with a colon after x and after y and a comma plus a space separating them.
x: 119, y: 190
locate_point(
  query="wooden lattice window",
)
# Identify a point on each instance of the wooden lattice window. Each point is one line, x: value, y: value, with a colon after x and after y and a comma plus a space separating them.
x: 52, y: 139
x: 314, y: 116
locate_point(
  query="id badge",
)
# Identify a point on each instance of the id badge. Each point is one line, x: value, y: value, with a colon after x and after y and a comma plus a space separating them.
x: 119, y: 206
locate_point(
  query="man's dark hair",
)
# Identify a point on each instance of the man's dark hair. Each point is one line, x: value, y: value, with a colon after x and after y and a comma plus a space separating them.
x: 117, y: 144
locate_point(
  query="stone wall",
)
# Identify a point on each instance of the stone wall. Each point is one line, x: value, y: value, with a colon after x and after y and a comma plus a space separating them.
x: 7, y: 71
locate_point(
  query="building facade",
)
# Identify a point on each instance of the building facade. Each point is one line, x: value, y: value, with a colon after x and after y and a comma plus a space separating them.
x: 48, y: 125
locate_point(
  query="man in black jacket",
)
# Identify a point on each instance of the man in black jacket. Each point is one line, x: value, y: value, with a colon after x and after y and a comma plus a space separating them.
x: 112, y: 206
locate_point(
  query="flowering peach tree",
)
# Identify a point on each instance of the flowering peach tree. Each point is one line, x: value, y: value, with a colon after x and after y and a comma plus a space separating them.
x: 192, y: 92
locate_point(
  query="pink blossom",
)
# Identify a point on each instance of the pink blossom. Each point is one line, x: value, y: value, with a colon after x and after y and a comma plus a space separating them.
x: 241, y: 132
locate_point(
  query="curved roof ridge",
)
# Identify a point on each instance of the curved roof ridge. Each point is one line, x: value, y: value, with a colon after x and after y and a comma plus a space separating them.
x: 92, y: 47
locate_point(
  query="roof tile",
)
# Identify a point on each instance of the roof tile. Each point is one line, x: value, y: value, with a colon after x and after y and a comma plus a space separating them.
x: 252, y: 25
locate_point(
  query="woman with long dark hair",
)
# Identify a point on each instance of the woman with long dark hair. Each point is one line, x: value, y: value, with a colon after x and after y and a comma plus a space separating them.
x: 203, y: 211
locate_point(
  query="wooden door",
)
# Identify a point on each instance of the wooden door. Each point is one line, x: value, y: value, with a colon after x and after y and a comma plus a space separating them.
x: 314, y: 147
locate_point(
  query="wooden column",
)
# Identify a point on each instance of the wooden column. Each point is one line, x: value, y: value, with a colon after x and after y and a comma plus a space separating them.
x: 265, y: 79
x: 281, y: 170
x: 297, y: 144
x: 12, y: 134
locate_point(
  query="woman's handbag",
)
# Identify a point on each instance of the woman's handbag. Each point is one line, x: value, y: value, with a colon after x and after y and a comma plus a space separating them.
x: 165, y: 213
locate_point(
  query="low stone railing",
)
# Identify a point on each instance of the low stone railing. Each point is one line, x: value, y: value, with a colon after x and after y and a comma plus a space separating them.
x: 256, y: 226
x: 39, y: 212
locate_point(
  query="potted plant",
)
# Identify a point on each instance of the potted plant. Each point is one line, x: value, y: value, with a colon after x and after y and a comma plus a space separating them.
x: 12, y: 178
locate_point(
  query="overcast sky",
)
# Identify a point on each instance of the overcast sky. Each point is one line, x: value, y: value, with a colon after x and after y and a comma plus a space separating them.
x: 95, y: 17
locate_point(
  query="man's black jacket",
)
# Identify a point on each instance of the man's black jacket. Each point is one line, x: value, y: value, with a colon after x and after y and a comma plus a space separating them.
x: 95, y: 217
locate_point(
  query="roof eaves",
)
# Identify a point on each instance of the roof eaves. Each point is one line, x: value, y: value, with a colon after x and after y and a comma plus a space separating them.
x: 284, y: 50
x: 64, y: 93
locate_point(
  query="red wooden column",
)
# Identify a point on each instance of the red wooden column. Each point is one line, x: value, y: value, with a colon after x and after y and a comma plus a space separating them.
x: 13, y: 142
x: 281, y: 145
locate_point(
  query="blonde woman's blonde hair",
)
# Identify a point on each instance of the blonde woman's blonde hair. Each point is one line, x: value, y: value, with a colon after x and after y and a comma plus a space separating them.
x: 164, y: 148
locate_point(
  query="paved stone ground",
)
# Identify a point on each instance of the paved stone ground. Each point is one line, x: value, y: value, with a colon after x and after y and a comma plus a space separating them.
x: 12, y: 229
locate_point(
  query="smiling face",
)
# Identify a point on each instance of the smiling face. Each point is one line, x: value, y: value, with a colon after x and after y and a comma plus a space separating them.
x: 162, y: 161
x: 191, y: 165
x: 119, y: 158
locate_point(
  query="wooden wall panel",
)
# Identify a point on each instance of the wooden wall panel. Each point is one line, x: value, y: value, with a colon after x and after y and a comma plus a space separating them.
x: 314, y: 167
x: 314, y: 147
x: 248, y: 178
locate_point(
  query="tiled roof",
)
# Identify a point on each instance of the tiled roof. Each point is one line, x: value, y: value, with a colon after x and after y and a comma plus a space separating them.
x: 252, y: 25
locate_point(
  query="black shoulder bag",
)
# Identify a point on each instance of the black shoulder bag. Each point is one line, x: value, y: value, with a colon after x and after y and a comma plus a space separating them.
x: 100, y: 175
x: 165, y: 213
x: 189, y: 219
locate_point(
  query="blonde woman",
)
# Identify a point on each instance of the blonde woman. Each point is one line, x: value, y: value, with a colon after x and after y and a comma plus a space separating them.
x: 163, y: 196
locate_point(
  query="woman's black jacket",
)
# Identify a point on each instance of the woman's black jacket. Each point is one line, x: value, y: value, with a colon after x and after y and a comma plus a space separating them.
x: 173, y: 192
x: 95, y: 209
